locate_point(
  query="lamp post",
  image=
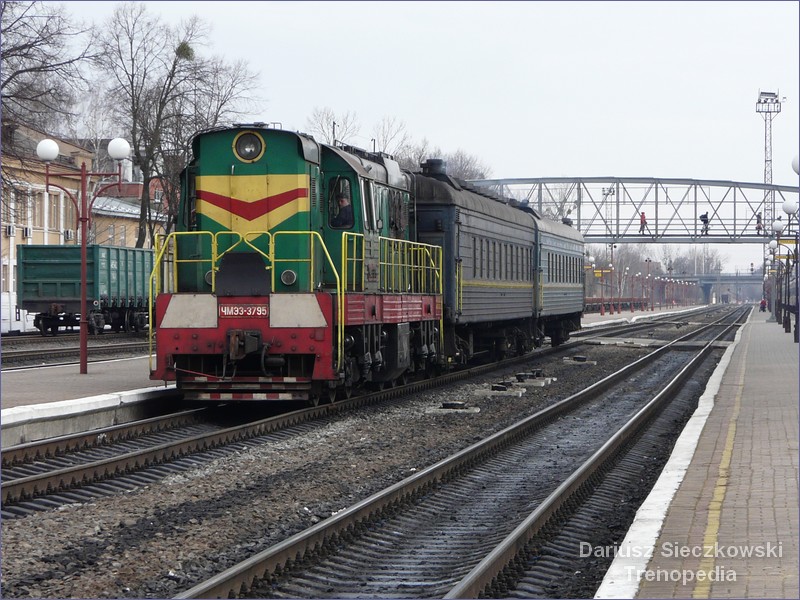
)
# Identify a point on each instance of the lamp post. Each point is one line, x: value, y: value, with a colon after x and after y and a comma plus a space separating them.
x: 796, y: 169
x: 611, y: 288
x: 788, y: 303
x: 588, y: 265
x: 47, y: 150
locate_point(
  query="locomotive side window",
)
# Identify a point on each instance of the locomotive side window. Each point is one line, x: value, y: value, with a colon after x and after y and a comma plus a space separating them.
x: 367, y: 192
x: 340, y: 213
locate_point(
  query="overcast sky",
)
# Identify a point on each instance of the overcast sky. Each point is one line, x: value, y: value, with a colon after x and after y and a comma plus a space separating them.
x: 533, y: 89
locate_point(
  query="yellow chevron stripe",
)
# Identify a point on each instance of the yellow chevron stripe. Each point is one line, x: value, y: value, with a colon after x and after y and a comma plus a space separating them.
x: 251, y: 187
x: 264, y: 223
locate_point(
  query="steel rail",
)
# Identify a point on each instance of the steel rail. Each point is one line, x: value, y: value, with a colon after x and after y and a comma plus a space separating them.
x: 55, y: 446
x: 281, y: 556
x: 491, y: 569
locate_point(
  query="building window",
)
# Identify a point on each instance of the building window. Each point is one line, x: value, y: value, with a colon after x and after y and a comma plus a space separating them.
x: 53, y: 221
x: 70, y: 220
x: 23, y: 208
x: 38, y: 210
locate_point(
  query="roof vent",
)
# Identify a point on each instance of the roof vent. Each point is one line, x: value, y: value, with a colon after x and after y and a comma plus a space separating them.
x: 434, y: 166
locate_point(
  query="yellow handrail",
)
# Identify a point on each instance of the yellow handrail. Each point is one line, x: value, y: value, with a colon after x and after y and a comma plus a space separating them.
x: 404, y: 267
x: 156, y: 283
x: 315, y: 236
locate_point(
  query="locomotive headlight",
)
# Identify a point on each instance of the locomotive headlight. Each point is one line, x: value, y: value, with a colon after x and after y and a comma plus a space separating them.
x: 248, y: 146
x: 288, y: 277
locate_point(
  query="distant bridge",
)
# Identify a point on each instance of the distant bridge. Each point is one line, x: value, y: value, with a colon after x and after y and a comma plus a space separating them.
x: 607, y: 209
x: 724, y: 280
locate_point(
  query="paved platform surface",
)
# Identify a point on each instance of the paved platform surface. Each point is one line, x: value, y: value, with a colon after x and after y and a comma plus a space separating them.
x: 722, y: 521
x: 53, y: 384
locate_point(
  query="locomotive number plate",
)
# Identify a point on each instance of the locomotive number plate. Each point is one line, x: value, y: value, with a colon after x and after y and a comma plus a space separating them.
x: 243, y: 310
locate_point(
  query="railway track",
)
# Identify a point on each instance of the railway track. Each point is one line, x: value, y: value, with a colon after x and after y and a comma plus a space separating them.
x: 454, y: 529
x: 38, y: 356
x: 264, y: 496
x: 38, y: 474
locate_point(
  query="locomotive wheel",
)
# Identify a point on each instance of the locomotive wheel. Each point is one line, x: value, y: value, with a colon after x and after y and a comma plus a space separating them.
x: 345, y: 392
x: 331, y: 395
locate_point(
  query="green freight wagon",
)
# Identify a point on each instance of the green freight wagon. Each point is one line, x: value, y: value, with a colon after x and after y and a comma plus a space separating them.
x: 49, y: 285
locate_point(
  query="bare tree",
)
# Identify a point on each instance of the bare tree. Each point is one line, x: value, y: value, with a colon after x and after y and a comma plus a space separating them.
x: 466, y: 166
x: 326, y: 126
x: 216, y: 94
x: 413, y: 155
x: 40, y: 72
x: 390, y: 136
x: 459, y: 164
x: 169, y: 92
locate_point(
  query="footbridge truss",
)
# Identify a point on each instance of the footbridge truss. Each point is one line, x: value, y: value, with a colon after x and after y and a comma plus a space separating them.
x: 608, y: 209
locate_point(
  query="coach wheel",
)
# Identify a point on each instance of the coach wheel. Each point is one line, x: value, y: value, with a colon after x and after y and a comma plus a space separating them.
x: 402, y: 380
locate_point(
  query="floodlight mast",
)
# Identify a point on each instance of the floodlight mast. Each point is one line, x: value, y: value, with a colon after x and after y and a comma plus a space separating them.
x: 768, y: 106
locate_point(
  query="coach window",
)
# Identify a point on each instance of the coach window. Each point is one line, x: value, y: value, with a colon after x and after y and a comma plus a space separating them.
x: 528, y: 264
x: 474, y: 257
x: 480, y: 259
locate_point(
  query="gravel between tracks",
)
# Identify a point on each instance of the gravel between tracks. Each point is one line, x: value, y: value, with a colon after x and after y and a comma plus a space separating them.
x: 166, y: 537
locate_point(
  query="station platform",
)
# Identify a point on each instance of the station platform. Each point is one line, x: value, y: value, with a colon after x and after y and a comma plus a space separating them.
x: 722, y: 521
x: 47, y: 384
